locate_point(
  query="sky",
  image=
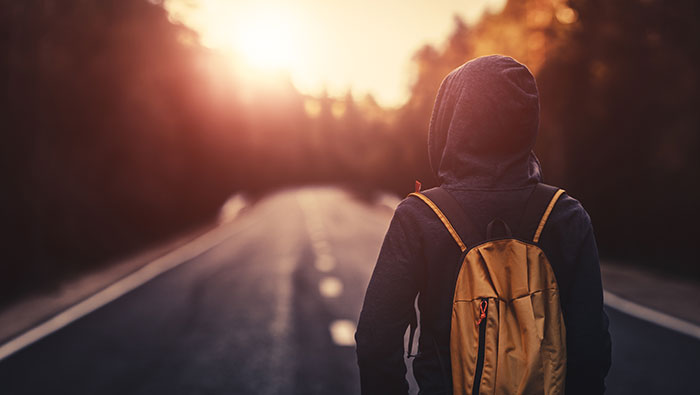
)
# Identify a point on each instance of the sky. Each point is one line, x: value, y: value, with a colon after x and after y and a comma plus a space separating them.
x: 360, y: 45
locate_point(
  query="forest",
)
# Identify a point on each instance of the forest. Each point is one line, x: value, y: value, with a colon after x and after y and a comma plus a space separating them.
x: 120, y: 129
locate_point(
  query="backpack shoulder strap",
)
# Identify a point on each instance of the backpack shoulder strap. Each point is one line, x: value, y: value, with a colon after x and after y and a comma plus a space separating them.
x: 451, y: 214
x: 537, y: 210
x: 445, y: 206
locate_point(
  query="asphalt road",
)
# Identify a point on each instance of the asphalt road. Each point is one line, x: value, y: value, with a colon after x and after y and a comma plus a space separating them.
x: 271, y: 310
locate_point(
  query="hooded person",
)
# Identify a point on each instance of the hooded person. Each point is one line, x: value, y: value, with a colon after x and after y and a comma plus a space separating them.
x: 482, y: 133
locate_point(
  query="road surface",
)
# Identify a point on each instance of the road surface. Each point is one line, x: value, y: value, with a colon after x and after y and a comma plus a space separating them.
x: 270, y: 308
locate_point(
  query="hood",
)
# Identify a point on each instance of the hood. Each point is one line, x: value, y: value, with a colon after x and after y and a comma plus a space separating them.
x: 484, y: 124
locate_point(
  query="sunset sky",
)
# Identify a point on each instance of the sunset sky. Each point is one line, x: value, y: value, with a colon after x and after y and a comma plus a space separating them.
x: 365, y: 45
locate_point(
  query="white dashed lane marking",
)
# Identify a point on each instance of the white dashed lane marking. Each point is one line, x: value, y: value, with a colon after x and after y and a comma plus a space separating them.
x: 343, y: 332
x: 325, y: 263
x: 321, y: 246
x: 330, y: 287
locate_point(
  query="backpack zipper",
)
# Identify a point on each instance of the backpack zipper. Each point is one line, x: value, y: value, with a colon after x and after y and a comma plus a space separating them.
x: 483, y: 307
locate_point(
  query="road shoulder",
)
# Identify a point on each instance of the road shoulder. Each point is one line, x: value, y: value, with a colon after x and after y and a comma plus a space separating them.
x: 34, y: 309
x: 667, y: 294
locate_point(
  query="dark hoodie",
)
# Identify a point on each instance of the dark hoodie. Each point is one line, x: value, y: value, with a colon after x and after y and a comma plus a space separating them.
x: 482, y: 132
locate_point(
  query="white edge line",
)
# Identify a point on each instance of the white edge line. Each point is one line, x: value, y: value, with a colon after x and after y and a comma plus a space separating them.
x: 651, y: 315
x: 132, y: 281
x: 181, y: 255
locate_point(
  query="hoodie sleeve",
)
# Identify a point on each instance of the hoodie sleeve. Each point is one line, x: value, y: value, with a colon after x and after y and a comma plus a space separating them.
x: 387, y: 311
x: 587, y: 336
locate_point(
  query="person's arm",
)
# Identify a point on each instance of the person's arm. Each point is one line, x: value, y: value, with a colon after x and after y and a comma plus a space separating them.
x: 587, y: 337
x: 387, y: 310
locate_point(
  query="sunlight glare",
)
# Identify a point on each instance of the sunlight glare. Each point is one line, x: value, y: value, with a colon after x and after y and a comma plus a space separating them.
x: 328, y: 47
x: 268, y: 39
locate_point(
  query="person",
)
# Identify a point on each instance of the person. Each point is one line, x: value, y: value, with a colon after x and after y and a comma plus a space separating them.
x: 481, y: 138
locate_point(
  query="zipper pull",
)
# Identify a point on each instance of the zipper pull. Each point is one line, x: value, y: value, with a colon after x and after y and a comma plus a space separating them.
x: 482, y: 308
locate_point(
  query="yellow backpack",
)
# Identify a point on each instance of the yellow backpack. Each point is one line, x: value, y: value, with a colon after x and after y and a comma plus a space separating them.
x: 507, y: 332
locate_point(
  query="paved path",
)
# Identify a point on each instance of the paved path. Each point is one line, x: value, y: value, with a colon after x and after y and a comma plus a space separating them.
x: 268, y: 305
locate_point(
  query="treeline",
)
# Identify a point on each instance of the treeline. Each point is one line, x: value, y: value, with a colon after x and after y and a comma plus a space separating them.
x: 115, y: 133
x: 622, y: 127
x: 120, y: 129
x: 619, y: 112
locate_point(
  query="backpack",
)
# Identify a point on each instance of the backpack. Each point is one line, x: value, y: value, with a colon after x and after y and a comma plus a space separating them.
x: 507, y: 330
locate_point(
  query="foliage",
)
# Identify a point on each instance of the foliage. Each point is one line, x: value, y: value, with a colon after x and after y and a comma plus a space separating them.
x: 619, y: 121
x: 111, y: 134
x: 120, y: 129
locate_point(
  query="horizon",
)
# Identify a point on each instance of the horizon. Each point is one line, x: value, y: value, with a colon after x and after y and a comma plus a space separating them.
x: 321, y: 49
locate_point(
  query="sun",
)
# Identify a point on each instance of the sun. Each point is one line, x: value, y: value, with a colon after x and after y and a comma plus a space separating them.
x: 326, y: 47
x: 264, y: 34
x: 268, y: 40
